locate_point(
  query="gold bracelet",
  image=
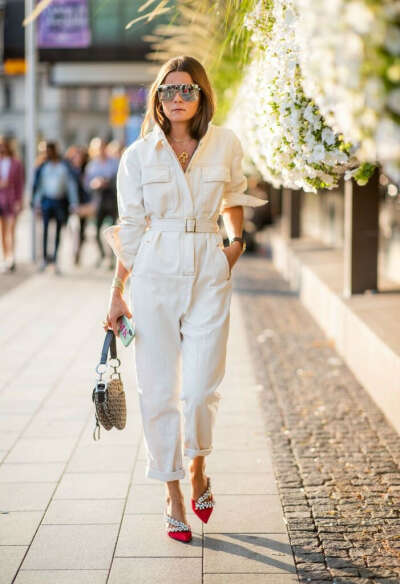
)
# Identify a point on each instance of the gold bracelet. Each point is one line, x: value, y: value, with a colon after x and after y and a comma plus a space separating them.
x: 119, y: 288
x: 118, y: 283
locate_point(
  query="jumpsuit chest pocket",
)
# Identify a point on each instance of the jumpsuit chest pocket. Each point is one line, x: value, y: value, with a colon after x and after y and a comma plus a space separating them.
x: 216, y: 173
x: 159, y: 191
x: 214, y: 180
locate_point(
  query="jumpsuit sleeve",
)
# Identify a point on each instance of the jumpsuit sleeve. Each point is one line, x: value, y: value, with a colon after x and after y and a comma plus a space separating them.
x: 234, y: 194
x: 125, y: 237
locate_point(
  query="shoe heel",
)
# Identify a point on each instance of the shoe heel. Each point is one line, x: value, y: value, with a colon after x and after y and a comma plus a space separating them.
x: 204, y: 506
x: 177, y: 530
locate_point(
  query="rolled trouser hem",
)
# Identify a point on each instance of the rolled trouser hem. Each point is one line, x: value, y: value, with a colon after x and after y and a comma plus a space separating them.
x: 151, y: 473
x: 193, y: 453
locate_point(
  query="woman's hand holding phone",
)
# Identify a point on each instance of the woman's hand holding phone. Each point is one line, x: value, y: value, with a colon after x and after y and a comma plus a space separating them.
x: 117, y: 308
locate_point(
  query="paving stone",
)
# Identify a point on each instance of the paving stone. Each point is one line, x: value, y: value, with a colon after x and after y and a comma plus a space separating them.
x: 61, y: 577
x: 93, y: 485
x: 247, y: 553
x: 234, y: 483
x: 130, y: 435
x: 79, y: 511
x: 241, y: 438
x: 221, y: 461
x: 72, y: 547
x: 250, y: 579
x: 157, y: 571
x: 41, y: 450
x: 261, y: 510
x: 25, y: 496
x: 103, y: 458
x: 10, y: 560
x: 30, y: 472
x: 18, y: 527
x: 144, y: 535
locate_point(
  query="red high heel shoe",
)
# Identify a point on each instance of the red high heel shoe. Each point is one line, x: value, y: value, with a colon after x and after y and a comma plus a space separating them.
x: 203, y: 506
x: 177, y: 529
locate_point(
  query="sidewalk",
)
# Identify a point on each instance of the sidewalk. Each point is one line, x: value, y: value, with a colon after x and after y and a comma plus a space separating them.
x: 77, y: 511
x: 336, y: 456
x: 305, y: 470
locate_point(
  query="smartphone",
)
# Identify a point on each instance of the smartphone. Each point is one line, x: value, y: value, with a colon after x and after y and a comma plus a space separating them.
x: 126, y: 330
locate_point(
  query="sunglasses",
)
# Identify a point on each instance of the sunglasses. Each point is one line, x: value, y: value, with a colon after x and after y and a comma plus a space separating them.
x: 187, y: 91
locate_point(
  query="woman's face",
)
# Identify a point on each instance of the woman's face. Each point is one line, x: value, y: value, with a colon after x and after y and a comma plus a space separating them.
x: 179, y: 110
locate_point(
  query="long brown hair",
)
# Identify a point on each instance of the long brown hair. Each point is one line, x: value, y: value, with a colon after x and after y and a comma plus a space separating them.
x: 8, y: 145
x: 205, y: 111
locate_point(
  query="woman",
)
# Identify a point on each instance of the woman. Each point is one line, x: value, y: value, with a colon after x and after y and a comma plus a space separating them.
x: 11, y: 200
x: 178, y: 178
x: 100, y: 178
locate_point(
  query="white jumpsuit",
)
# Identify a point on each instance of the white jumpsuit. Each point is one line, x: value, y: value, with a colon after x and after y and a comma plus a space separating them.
x: 181, y: 285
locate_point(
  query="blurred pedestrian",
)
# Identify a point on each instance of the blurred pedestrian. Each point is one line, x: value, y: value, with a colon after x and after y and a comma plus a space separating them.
x: 100, y: 178
x: 78, y: 157
x: 115, y: 149
x: 55, y: 194
x: 11, y: 200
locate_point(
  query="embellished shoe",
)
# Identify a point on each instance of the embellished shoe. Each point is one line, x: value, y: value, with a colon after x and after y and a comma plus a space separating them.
x: 203, y: 506
x: 177, y: 529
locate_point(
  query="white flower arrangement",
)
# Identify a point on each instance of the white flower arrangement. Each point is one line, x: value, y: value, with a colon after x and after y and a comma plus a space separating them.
x: 283, y: 131
x: 350, y: 63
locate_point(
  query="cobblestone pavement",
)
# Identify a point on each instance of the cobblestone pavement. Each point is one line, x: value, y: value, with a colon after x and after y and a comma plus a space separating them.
x: 335, y: 455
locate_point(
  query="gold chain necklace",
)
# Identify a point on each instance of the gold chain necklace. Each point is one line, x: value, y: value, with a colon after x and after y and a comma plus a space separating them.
x: 183, y: 157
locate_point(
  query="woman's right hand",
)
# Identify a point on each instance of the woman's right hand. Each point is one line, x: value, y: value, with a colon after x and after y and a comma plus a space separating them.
x: 116, y: 309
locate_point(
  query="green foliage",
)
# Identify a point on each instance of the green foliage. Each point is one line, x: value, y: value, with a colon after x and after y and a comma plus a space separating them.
x: 364, y: 173
x: 226, y: 70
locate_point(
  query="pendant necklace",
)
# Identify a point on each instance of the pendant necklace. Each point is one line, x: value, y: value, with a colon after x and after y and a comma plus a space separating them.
x: 183, y: 157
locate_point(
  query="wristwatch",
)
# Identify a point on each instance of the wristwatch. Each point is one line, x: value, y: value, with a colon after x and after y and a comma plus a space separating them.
x: 242, y: 241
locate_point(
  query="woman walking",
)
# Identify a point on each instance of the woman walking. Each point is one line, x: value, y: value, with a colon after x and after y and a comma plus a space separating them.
x: 11, y: 200
x: 172, y: 184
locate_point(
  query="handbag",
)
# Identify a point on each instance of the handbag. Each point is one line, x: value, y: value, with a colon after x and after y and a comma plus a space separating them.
x: 109, y: 398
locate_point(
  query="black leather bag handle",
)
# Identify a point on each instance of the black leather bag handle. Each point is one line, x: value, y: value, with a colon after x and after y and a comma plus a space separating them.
x: 110, y: 344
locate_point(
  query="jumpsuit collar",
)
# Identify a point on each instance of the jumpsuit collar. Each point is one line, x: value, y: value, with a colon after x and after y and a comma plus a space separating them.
x: 158, y: 134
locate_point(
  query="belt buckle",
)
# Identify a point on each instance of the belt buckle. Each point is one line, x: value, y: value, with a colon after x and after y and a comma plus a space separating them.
x: 186, y: 224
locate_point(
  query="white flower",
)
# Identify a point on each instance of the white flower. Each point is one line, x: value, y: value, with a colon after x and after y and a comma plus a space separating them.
x: 343, y: 47
x: 394, y: 100
x: 318, y: 153
x: 392, y: 40
x: 328, y: 136
x: 283, y: 132
x: 359, y: 16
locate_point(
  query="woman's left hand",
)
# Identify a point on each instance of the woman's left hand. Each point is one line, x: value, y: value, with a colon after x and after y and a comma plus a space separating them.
x: 233, y: 253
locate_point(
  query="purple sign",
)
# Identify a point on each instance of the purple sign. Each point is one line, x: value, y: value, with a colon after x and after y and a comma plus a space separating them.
x: 64, y: 24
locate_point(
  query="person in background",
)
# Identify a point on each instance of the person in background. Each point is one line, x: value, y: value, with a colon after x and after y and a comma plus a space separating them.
x: 77, y: 156
x: 11, y: 200
x: 55, y: 194
x: 100, y: 179
x: 115, y: 149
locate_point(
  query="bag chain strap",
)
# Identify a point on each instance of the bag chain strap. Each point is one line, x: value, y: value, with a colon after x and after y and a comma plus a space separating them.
x: 109, y: 345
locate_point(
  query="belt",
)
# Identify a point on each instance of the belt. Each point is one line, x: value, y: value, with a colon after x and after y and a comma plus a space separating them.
x: 187, y: 224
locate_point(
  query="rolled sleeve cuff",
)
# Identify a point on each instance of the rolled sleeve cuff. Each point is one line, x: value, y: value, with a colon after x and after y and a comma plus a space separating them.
x: 124, y: 240
x: 234, y: 199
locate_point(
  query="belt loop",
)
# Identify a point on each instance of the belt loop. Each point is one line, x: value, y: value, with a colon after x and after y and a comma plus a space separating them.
x: 186, y: 224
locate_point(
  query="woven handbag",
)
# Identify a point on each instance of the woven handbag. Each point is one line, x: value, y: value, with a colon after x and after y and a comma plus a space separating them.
x: 109, y: 398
